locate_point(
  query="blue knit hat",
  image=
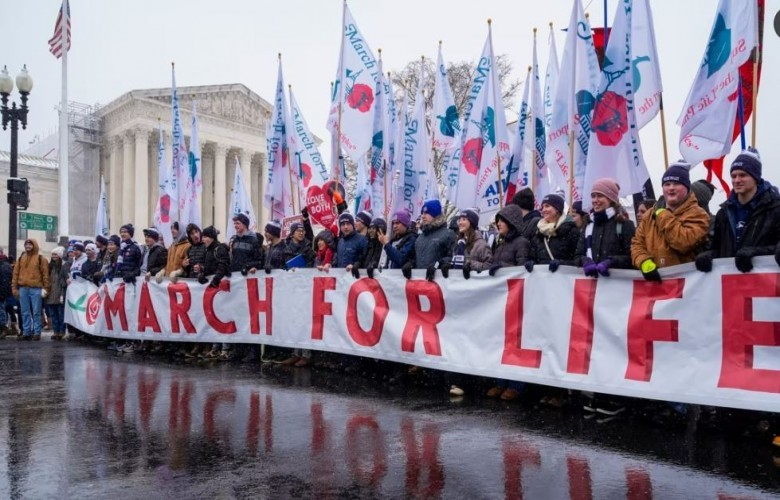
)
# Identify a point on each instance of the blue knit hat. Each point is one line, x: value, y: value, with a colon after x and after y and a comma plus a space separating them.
x: 678, y: 172
x: 432, y: 208
x: 750, y: 162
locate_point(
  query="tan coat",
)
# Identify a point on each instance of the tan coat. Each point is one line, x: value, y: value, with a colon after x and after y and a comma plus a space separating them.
x: 176, y: 254
x: 671, y: 238
x: 31, y: 270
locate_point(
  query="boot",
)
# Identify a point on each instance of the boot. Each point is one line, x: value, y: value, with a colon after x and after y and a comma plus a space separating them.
x: 3, y: 331
x: 13, y: 330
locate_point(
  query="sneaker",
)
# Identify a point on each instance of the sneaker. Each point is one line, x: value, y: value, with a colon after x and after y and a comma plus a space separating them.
x: 494, y: 392
x: 610, y: 408
x: 510, y: 394
x: 225, y: 356
x: 37, y: 337
x: 303, y: 362
x: 128, y: 348
x: 589, y: 405
x: 456, y: 391
x: 113, y: 346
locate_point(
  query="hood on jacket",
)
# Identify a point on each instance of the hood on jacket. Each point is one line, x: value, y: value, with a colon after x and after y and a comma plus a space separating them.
x: 327, y: 236
x: 35, y: 249
x: 437, y: 223
x: 512, y: 215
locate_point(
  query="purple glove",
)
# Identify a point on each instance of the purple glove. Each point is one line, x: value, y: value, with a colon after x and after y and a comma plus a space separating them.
x: 590, y: 268
x: 603, y: 267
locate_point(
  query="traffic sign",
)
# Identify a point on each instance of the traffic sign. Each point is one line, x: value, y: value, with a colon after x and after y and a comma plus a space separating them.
x: 37, y: 222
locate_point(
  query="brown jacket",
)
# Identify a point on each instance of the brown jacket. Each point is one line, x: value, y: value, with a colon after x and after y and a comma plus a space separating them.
x: 671, y: 238
x: 31, y: 270
x: 176, y: 254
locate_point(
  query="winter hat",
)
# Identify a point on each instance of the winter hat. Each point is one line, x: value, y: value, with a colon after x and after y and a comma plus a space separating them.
x: 243, y: 219
x: 749, y: 161
x: 608, y: 187
x: 114, y: 238
x: 703, y: 191
x: 91, y: 248
x: 432, y: 208
x: 524, y: 199
x: 101, y: 239
x: 295, y: 226
x: 210, y: 232
x: 364, y: 216
x: 152, y: 233
x: 380, y: 224
x: 679, y: 172
x: 403, y: 217
x: 58, y: 251
x: 129, y: 228
x: 79, y: 246
x: 577, y: 206
x: 472, y: 215
x: 347, y: 218
x: 554, y: 201
x: 274, y: 228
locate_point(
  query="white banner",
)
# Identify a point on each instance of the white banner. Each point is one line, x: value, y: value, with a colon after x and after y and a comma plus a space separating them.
x: 694, y: 338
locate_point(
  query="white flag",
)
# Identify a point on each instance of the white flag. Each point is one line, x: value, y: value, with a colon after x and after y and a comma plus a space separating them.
x: 707, y: 118
x: 278, y: 196
x: 240, y: 203
x: 353, y: 92
x: 550, y: 80
x: 101, y: 218
x: 446, y: 122
x: 194, y: 178
x: 517, y: 175
x: 415, y: 153
x: 179, y: 160
x: 536, y: 138
x: 575, y: 97
x: 615, y: 150
x: 307, y: 159
x: 645, y: 64
x: 378, y: 193
x: 162, y: 211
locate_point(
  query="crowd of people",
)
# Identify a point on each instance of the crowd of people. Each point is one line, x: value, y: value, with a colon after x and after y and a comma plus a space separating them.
x: 676, y: 229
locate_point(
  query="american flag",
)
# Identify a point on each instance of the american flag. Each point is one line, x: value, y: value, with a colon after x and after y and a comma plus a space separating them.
x: 56, y: 41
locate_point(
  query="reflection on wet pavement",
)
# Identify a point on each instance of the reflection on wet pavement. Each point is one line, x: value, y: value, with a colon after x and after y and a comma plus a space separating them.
x: 78, y: 422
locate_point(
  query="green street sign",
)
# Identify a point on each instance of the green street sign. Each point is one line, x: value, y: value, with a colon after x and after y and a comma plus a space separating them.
x: 37, y: 222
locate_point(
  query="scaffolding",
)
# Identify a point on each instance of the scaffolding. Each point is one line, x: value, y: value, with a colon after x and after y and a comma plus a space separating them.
x: 84, y: 145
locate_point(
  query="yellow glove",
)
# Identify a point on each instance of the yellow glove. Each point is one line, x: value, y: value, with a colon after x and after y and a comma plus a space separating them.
x: 648, y: 266
x: 658, y: 212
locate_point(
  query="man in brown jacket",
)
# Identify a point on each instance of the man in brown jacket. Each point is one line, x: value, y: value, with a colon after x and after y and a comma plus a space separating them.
x: 674, y: 230
x: 176, y: 254
x: 30, y: 284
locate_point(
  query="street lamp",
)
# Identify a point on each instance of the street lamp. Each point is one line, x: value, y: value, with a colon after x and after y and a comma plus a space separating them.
x: 15, y: 116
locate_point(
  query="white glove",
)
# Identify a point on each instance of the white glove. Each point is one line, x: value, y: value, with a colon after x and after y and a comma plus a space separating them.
x: 159, y: 276
x: 174, y: 277
x: 44, y: 293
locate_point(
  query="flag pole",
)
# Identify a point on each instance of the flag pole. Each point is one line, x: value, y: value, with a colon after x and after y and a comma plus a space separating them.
x: 756, y: 62
x: 663, y: 129
x: 741, y: 111
x: 339, y: 160
x: 64, y: 221
x: 533, y: 129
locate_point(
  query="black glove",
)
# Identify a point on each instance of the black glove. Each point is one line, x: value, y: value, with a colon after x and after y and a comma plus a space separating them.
x: 128, y: 277
x: 653, y: 275
x: 407, y: 270
x: 493, y: 269
x: 554, y: 264
x: 215, y: 282
x: 430, y: 273
x: 370, y: 272
x: 529, y: 265
x: 202, y: 279
x: 355, y: 272
x: 444, y: 267
x: 743, y: 257
x: 466, y: 270
x: 704, y: 261
x: 267, y: 269
x: 245, y: 270
x: 305, y: 212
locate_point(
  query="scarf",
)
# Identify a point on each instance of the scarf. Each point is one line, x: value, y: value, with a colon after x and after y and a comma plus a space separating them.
x: 548, y: 228
x: 599, y: 217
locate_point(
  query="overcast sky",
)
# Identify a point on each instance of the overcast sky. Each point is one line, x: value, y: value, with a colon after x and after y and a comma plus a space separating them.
x: 122, y: 46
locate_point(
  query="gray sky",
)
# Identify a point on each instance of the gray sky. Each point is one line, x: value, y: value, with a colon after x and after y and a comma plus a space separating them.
x: 121, y: 46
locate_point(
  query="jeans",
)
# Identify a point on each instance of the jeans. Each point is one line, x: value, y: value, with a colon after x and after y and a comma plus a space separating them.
x: 32, y: 303
x: 57, y: 314
x: 3, y: 314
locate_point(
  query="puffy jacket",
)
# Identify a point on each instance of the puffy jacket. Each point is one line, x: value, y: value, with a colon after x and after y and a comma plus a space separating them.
x: 477, y: 254
x: 761, y: 231
x: 511, y: 250
x: 130, y: 256
x: 563, y: 244
x: 157, y: 258
x: 671, y: 238
x: 304, y: 248
x: 400, y: 250
x: 176, y: 255
x: 31, y: 270
x: 91, y: 270
x: 434, y: 244
x: 611, y: 239
x: 373, y: 253
x: 196, y: 254
x: 351, y: 250
x: 6, y: 276
x: 217, y: 260
x: 274, y: 256
x: 246, y: 250
x: 528, y: 225
x: 76, y: 265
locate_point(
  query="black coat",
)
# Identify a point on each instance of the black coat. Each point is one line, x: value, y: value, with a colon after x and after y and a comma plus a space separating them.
x: 293, y: 249
x: 217, y: 260
x: 131, y: 259
x: 90, y: 270
x: 246, y: 251
x: 761, y: 232
x: 6, y: 275
x: 274, y: 257
x: 513, y: 249
x: 196, y: 253
x: 607, y: 244
x: 563, y: 245
x: 527, y: 226
x: 373, y: 254
x: 157, y: 260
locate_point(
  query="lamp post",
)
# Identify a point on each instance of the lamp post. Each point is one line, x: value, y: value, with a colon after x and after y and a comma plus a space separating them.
x: 14, y: 116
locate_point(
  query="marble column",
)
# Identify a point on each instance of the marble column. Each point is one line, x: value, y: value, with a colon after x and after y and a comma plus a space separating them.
x: 220, y: 188
x: 258, y: 197
x: 114, y: 183
x: 245, y: 157
x: 141, y: 186
x: 127, y: 187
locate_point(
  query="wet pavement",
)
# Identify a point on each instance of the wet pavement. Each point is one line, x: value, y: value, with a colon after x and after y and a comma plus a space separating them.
x: 77, y: 421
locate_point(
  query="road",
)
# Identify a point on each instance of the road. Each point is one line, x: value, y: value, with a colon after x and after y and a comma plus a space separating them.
x: 77, y: 421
